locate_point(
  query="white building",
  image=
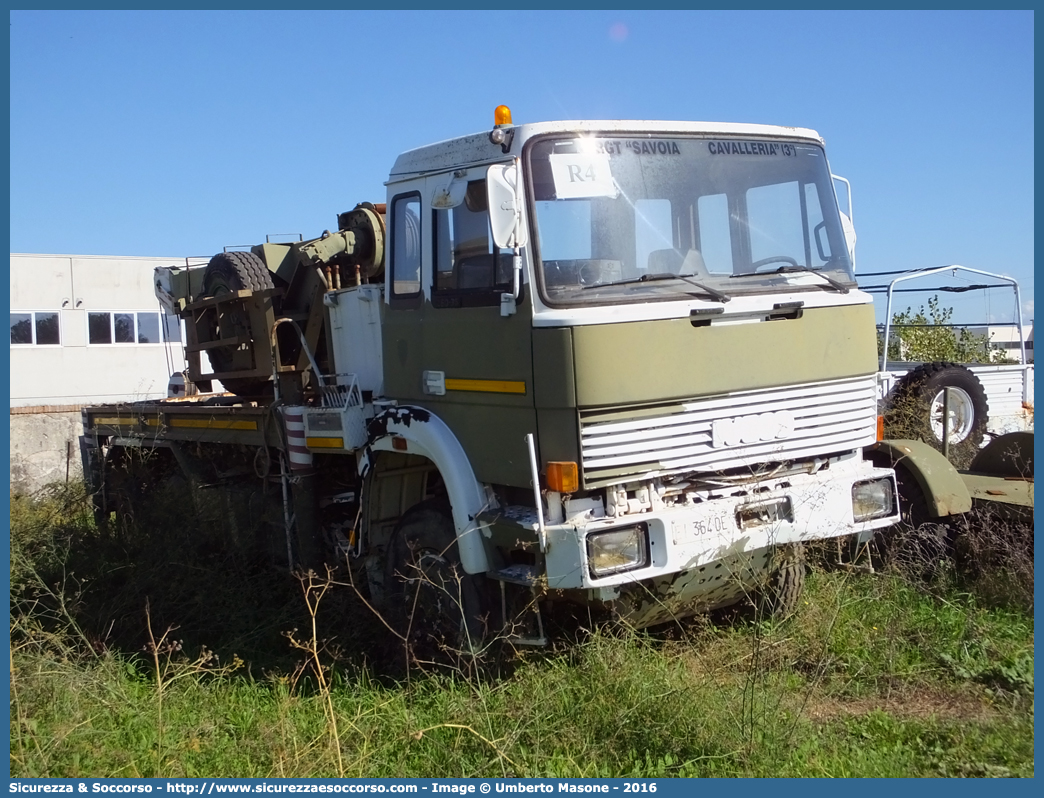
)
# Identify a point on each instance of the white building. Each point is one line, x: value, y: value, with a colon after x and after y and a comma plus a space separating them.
x: 84, y: 330
x: 1005, y: 338
x: 88, y: 329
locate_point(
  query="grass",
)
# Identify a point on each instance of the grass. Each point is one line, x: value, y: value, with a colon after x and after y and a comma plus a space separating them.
x: 145, y: 652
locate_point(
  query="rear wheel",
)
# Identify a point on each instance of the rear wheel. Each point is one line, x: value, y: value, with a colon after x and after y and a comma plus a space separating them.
x: 130, y: 481
x: 438, y: 608
x: 227, y: 273
x: 919, y: 543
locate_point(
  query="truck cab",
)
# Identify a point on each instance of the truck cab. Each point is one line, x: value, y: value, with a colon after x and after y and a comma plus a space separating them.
x: 657, y: 325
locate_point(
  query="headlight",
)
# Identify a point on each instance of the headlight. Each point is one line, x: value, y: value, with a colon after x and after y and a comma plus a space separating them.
x: 618, y: 550
x: 872, y: 499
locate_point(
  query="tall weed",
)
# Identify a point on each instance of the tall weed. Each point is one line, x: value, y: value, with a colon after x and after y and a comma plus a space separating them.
x: 124, y: 664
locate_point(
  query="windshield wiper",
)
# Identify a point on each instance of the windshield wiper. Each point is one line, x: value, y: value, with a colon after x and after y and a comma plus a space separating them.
x: 648, y: 278
x: 836, y: 284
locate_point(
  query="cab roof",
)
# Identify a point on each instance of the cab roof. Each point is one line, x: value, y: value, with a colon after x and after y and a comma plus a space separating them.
x: 477, y: 148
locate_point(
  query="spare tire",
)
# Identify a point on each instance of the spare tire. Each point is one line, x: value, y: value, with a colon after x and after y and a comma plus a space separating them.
x: 235, y: 271
x: 227, y: 273
x: 917, y: 408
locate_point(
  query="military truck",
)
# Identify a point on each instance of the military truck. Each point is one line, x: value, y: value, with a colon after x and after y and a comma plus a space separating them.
x: 623, y: 364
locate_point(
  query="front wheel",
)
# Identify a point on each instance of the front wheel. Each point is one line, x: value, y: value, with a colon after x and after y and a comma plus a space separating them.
x: 780, y: 595
x: 438, y: 608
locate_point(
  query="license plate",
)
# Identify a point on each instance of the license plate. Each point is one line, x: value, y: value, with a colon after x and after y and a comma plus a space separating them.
x: 714, y: 524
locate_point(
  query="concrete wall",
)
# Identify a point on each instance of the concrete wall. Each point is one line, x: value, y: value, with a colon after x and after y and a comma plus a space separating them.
x: 45, y: 447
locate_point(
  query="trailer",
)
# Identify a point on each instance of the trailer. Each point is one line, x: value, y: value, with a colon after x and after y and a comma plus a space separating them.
x: 977, y: 414
x: 984, y: 400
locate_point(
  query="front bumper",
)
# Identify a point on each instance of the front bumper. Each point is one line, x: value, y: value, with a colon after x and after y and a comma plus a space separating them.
x: 698, y: 535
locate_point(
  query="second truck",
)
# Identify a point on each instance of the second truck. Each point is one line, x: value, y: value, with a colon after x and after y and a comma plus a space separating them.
x: 621, y: 364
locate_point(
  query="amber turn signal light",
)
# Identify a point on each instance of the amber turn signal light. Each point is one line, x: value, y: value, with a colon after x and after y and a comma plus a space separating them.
x: 563, y: 477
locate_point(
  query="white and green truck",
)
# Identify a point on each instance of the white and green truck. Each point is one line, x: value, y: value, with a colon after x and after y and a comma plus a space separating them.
x: 618, y: 363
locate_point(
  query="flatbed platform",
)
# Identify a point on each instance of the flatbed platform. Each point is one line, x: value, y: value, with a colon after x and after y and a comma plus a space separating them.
x: 211, y: 419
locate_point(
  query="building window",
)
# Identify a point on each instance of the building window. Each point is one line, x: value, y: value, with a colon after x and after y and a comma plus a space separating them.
x: 171, y: 328
x: 143, y: 327
x: 99, y: 328
x: 148, y: 328
x: 123, y: 324
x: 40, y: 328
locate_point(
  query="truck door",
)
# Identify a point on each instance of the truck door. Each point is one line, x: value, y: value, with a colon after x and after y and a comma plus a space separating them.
x: 446, y: 345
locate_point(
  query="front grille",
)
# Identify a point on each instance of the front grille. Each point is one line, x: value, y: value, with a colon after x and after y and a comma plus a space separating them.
x: 811, y: 420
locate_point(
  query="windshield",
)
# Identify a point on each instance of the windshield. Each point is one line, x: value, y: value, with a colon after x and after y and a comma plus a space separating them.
x: 659, y: 218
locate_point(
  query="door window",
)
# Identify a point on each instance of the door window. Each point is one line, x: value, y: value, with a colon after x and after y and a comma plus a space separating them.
x: 468, y: 264
x: 406, y: 247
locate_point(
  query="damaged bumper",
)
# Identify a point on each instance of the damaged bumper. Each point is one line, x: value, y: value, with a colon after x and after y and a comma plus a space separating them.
x: 713, y: 548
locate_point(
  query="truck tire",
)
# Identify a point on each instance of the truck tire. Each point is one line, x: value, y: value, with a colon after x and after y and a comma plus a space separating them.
x: 438, y: 608
x: 236, y: 271
x: 780, y: 595
x: 131, y: 477
x: 919, y: 543
x: 226, y: 273
x: 918, y: 402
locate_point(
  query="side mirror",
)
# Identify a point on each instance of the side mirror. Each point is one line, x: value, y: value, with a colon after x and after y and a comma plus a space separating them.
x: 822, y: 246
x: 847, y: 224
x: 850, y: 237
x: 506, y: 219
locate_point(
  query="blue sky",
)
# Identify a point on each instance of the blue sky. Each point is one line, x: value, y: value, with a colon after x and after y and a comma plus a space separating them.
x: 178, y: 133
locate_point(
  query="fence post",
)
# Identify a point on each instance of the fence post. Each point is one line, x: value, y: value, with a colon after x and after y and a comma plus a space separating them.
x: 946, y: 423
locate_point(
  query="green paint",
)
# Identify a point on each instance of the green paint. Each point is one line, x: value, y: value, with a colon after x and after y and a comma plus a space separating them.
x: 557, y: 435
x: 475, y: 343
x: 555, y: 391
x: 600, y: 365
x: 945, y: 493
x: 493, y: 436
x: 554, y: 384
x: 653, y: 361
x: 278, y: 258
